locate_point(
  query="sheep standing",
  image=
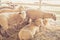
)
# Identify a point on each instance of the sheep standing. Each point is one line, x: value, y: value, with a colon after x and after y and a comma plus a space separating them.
x: 34, y: 14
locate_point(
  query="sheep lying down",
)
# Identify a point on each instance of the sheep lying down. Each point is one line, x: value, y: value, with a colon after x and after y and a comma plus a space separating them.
x: 28, y: 32
x: 10, y: 19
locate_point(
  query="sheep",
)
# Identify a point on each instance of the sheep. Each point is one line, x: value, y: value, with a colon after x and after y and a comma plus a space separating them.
x: 33, y: 14
x: 10, y: 19
x: 28, y: 32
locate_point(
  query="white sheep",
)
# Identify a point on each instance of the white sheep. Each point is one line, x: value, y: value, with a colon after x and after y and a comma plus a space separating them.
x: 28, y: 32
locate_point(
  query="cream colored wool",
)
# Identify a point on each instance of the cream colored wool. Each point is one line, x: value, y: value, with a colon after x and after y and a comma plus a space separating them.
x: 10, y: 19
x: 30, y: 30
x: 33, y: 14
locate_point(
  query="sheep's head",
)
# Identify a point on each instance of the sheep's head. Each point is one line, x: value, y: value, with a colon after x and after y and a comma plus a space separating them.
x: 23, y: 15
x: 53, y: 16
x: 39, y: 22
x: 49, y: 15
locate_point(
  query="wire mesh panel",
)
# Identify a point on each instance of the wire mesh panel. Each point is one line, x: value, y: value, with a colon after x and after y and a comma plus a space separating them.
x: 50, y: 5
x: 28, y: 3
